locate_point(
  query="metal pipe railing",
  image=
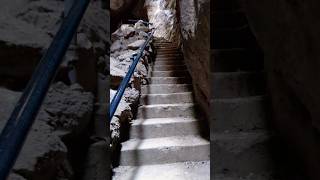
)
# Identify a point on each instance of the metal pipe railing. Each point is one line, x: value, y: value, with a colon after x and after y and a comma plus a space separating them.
x: 17, y: 127
x: 117, y: 97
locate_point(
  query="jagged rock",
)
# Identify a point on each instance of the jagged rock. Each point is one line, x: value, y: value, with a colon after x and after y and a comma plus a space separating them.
x: 33, y: 23
x: 65, y: 108
x: 116, y: 46
x: 136, y: 45
x: 143, y: 34
x: 83, y: 41
x: 28, y: 27
x: 69, y: 105
x: 125, y: 31
x: 126, y: 42
x: 141, y: 27
x: 162, y: 14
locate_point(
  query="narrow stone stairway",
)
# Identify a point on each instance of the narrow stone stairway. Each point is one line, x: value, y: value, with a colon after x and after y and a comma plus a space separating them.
x: 241, y: 138
x: 165, y: 143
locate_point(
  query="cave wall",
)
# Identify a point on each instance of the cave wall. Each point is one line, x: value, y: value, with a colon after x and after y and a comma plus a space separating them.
x: 121, y: 10
x: 288, y: 32
x: 195, y: 34
x: 163, y: 15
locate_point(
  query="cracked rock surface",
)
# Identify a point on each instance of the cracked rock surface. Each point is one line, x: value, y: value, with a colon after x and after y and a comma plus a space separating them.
x: 44, y: 154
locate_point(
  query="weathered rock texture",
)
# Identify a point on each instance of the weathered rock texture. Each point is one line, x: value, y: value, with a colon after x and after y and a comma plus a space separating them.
x: 163, y: 15
x: 66, y: 113
x: 195, y: 32
x: 28, y: 27
x: 60, y: 135
x: 126, y: 42
x: 120, y: 10
x: 288, y: 32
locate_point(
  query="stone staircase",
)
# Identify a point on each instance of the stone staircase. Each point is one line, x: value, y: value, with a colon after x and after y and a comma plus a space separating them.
x: 165, y: 142
x: 240, y: 145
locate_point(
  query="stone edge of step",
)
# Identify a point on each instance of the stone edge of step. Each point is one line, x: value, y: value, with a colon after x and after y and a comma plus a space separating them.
x: 164, y: 142
x: 155, y: 121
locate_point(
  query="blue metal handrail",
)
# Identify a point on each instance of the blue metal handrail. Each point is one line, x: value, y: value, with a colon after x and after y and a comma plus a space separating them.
x: 117, y: 97
x: 17, y: 127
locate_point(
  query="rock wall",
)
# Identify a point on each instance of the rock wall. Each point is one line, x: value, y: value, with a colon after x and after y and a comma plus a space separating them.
x: 195, y: 34
x: 288, y: 32
x: 163, y: 15
x: 120, y: 10
x: 56, y: 146
x: 64, y: 117
x: 126, y: 41
x: 28, y: 27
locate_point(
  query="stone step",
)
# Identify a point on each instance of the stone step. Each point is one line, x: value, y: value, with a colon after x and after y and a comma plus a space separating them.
x: 163, y: 127
x: 168, y: 49
x: 174, y: 55
x: 233, y: 38
x: 175, y: 49
x: 237, y: 84
x: 168, y: 67
x: 170, y: 73
x: 166, y: 110
x: 169, y: 62
x: 175, y: 171
x: 163, y: 42
x: 165, y: 88
x: 164, y: 46
x: 164, y: 150
x: 169, y: 80
x: 169, y: 54
x: 233, y: 19
x: 236, y: 59
x: 176, y: 59
x: 242, y: 153
x: 172, y: 98
x: 239, y: 114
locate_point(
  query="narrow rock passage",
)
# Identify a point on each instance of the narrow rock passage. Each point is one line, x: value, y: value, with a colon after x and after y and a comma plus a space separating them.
x: 165, y: 142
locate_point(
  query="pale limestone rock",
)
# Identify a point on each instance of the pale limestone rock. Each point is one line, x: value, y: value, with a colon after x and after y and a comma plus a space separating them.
x: 139, y: 26
x: 162, y: 13
x: 136, y: 45
x: 65, y: 109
